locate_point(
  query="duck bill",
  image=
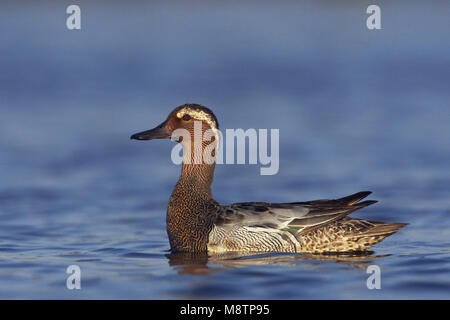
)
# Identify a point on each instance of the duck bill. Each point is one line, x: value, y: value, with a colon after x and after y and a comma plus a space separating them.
x: 160, y: 132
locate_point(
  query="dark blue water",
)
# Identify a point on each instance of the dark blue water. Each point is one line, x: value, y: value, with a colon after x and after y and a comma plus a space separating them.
x: 357, y: 110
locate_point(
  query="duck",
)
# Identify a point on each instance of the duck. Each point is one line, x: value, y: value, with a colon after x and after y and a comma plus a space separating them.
x: 196, y: 223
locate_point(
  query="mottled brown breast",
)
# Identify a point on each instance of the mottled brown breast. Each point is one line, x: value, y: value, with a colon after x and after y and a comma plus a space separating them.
x: 190, y: 219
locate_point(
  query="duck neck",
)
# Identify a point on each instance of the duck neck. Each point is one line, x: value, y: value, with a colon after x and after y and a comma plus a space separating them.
x: 197, y: 173
x: 189, y: 214
x: 197, y: 179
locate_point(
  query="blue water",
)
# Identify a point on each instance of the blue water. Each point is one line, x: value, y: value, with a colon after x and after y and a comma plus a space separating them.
x: 357, y: 110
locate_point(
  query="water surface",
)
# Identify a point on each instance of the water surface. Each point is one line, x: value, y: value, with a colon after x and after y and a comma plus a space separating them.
x: 357, y: 110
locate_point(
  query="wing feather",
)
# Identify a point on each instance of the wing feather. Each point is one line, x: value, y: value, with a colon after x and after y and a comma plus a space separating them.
x: 291, y: 216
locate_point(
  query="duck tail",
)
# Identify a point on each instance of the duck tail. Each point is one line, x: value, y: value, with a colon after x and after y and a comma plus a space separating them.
x: 384, y: 229
x: 375, y: 234
x: 348, y: 235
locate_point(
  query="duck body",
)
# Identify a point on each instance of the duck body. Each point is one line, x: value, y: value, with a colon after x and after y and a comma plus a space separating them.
x: 315, y: 227
x: 197, y: 223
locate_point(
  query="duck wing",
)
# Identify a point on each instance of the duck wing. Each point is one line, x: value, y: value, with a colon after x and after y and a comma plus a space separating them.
x: 295, y: 216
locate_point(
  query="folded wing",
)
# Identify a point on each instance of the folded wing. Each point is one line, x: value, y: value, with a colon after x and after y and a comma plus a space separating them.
x: 295, y: 216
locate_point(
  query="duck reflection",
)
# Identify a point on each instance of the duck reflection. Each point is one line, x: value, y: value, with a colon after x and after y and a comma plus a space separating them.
x: 204, y: 264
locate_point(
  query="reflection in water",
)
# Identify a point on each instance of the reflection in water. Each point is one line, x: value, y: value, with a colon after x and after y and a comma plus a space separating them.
x: 204, y: 264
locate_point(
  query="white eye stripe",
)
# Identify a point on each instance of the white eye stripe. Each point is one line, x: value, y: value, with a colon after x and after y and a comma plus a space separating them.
x: 198, y: 115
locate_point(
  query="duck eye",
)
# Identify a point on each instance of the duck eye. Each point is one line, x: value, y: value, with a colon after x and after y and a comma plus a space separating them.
x: 186, y: 117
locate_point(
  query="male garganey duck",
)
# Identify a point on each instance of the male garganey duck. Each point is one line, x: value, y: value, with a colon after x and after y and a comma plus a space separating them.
x: 197, y: 223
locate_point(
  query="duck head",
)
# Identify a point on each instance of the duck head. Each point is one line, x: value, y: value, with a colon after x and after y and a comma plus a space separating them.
x: 193, y: 125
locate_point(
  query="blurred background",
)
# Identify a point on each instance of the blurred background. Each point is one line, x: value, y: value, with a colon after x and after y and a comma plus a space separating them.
x: 357, y: 109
